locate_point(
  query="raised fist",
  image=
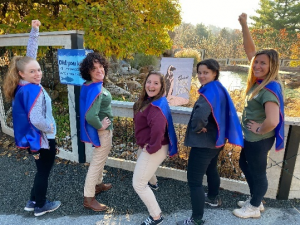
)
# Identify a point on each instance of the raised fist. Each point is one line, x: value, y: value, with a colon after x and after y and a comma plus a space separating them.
x: 35, y: 23
x: 243, y: 19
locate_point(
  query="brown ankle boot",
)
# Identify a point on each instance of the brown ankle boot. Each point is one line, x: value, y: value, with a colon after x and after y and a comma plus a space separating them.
x: 102, y: 187
x: 92, y: 203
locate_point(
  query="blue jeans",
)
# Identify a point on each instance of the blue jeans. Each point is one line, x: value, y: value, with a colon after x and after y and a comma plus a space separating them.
x: 253, y: 162
x: 202, y: 161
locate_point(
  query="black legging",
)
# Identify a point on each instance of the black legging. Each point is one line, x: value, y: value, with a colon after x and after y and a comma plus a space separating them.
x: 43, y: 165
x: 253, y: 162
x: 202, y: 161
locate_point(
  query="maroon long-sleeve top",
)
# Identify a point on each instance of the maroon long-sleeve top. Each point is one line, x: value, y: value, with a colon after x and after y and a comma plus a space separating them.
x: 150, y: 128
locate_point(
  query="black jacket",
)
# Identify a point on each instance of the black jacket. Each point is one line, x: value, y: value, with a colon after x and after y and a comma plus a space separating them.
x: 201, y: 117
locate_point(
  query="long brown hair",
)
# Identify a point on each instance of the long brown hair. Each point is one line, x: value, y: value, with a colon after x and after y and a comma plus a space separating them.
x: 12, y: 77
x: 144, y: 99
x: 271, y: 76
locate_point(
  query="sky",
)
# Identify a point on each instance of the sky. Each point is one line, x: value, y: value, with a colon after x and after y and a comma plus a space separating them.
x: 220, y: 13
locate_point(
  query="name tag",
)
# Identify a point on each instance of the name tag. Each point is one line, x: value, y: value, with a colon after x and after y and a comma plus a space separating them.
x: 105, y: 93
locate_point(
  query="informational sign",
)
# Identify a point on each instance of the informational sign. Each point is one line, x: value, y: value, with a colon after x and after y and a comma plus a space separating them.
x: 68, y: 65
x: 178, y: 76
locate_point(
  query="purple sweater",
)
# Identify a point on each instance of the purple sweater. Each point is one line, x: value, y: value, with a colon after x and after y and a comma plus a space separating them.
x: 150, y: 128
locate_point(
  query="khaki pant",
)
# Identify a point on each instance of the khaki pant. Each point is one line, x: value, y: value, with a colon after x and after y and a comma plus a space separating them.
x: 145, y: 169
x: 95, y: 173
x: 153, y: 179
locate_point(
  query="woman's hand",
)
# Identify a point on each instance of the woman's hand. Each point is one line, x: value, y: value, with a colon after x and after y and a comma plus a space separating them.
x: 204, y: 130
x: 35, y: 24
x: 105, y: 123
x: 252, y: 126
x: 243, y: 19
x: 52, y: 128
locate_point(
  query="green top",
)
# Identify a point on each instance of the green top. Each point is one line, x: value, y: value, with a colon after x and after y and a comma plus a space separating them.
x: 255, y: 110
x: 100, y: 108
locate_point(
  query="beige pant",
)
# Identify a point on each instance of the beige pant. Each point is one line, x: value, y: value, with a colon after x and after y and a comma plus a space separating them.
x: 145, y: 168
x: 153, y: 179
x: 95, y: 173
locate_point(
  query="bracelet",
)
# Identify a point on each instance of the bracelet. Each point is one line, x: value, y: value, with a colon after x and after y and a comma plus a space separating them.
x: 258, y: 129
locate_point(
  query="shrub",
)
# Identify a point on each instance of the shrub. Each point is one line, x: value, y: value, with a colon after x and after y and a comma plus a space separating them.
x: 141, y: 60
x: 189, y: 53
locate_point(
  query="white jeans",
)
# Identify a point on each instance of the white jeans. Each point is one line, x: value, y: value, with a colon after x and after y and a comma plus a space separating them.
x: 145, y: 169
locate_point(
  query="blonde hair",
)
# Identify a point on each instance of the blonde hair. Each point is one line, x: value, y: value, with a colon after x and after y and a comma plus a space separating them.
x: 272, y: 75
x: 12, y: 77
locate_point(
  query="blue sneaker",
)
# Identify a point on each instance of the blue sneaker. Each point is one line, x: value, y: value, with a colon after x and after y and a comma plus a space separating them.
x: 29, y: 206
x: 153, y: 186
x: 48, y: 207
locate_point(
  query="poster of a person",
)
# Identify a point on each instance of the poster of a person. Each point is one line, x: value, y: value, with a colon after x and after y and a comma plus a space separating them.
x: 178, y: 75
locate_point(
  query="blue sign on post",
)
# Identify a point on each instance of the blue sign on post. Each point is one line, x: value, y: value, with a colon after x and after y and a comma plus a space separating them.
x: 68, y: 65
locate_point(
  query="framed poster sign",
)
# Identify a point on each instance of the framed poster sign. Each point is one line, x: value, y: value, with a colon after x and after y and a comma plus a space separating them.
x: 178, y: 76
x: 68, y: 65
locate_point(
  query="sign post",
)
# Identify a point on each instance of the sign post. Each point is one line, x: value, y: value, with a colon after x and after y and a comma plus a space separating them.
x: 77, y: 43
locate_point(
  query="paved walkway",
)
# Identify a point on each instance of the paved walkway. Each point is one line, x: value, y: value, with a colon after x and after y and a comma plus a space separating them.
x: 125, y: 207
x: 212, y: 216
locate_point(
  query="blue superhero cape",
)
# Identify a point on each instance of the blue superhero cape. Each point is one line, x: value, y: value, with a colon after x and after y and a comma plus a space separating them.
x: 224, y: 113
x: 88, y: 94
x: 275, y: 88
x: 163, y: 105
x: 26, y: 135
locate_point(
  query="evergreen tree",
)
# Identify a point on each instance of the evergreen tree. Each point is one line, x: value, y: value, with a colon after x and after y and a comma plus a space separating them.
x: 278, y: 14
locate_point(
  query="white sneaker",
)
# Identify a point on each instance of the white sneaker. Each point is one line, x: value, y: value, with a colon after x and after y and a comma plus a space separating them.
x: 242, y: 203
x: 247, y: 211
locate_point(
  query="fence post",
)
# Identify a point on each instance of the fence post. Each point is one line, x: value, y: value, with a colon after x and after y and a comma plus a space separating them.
x: 287, y: 171
x: 77, y: 43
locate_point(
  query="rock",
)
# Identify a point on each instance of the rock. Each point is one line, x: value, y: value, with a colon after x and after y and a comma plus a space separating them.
x: 122, y: 85
x: 134, y: 71
x: 115, y: 67
x: 123, y: 63
x: 114, y: 78
x: 109, y: 72
x: 124, y: 154
x: 146, y: 69
x: 115, y: 90
x: 133, y: 85
x: 143, y: 75
x: 124, y: 71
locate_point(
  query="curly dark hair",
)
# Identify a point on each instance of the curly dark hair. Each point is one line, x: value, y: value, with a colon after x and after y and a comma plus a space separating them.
x: 88, y: 63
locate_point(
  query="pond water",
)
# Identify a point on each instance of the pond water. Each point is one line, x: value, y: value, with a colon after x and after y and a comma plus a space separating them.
x: 238, y: 80
x: 233, y: 80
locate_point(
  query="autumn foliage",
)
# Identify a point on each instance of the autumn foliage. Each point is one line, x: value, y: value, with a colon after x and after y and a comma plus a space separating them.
x: 112, y: 27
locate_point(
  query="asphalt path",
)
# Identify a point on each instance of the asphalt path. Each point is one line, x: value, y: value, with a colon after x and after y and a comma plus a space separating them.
x: 66, y: 185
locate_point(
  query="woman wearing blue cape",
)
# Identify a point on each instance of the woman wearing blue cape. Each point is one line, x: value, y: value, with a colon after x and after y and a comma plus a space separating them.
x: 262, y: 121
x: 95, y: 126
x: 213, y: 121
x: 156, y: 138
x: 34, y: 124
